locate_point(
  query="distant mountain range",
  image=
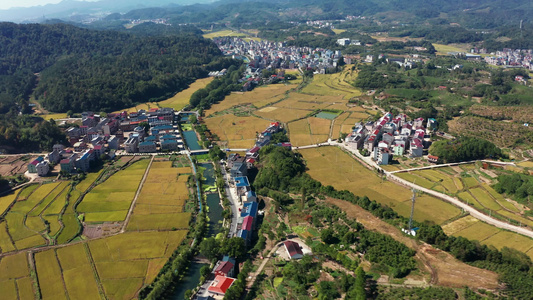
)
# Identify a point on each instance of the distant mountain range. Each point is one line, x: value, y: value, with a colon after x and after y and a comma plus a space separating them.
x: 73, y: 10
x: 480, y: 14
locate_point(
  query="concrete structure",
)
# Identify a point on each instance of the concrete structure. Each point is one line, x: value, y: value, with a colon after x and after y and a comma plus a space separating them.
x: 43, y: 168
x: 32, y: 166
x: 147, y: 147
x: 131, y: 144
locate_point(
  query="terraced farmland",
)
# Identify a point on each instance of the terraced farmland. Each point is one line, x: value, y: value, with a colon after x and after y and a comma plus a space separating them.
x: 332, y: 166
x: 469, y: 186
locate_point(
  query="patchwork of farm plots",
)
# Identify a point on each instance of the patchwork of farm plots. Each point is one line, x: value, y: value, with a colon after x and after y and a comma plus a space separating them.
x: 160, y: 203
x: 15, y: 280
x: 110, y: 201
x: 114, y: 267
x: 469, y: 184
x: 332, y: 166
x: 474, y: 229
x: 33, y: 216
x: 334, y: 84
x: 328, y: 94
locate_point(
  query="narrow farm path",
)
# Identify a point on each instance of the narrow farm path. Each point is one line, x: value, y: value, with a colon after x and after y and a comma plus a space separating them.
x: 132, y: 206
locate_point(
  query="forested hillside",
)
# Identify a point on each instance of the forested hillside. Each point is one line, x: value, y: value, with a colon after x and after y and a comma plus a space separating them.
x: 84, y: 69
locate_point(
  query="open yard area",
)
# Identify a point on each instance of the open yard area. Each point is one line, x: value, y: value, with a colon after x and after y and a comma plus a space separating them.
x: 332, y: 166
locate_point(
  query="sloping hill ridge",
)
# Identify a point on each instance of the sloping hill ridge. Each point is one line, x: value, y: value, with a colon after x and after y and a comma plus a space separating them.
x: 83, y: 69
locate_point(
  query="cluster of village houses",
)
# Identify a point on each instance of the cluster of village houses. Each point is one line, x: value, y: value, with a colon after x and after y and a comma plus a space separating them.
x: 224, y: 270
x: 512, y: 58
x: 276, y: 55
x: 392, y: 136
x: 105, y: 135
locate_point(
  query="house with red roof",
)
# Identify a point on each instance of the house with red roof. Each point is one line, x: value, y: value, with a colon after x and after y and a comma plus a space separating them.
x: 220, y: 285
x: 293, y: 249
x: 224, y: 268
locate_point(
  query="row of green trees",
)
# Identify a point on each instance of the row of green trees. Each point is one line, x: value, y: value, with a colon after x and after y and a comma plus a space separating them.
x: 219, y: 88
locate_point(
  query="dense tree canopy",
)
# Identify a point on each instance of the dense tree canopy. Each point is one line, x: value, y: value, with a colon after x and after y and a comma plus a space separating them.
x: 464, y: 149
x: 84, y: 69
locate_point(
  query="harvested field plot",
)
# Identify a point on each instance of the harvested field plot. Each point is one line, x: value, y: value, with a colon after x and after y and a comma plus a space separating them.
x: 233, y: 130
x: 331, y: 166
x: 110, y: 200
x: 284, y: 115
x: 319, y: 126
x: 181, y: 99
x: 459, y: 224
x: 258, y: 97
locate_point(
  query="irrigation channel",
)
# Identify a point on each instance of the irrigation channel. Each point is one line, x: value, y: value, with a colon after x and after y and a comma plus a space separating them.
x: 214, y: 214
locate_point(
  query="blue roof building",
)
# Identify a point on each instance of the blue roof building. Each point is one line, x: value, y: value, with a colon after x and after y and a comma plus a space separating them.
x: 241, y: 182
x: 251, y: 196
x: 249, y: 209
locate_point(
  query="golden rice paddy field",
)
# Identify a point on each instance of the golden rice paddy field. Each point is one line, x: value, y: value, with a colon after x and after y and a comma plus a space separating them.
x: 114, y: 267
x: 110, y: 201
x: 469, y: 188
x: 332, y: 166
x: 474, y: 229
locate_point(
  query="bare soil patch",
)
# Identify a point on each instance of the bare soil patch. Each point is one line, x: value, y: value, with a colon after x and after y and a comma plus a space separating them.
x: 444, y: 268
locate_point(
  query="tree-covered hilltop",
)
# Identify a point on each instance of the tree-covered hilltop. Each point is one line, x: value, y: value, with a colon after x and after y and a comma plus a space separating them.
x: 83, y: 69
x: 464, y: 149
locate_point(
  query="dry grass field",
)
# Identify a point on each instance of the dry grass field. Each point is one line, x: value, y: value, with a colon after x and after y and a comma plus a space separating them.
x: 235, y: 132
x: 258, y: 97
x: 181, y: 99
x: 281, y: 114
x: 331, y: 166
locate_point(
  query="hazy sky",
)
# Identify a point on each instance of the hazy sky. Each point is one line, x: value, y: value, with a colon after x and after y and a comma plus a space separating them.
x: 5, y: 4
